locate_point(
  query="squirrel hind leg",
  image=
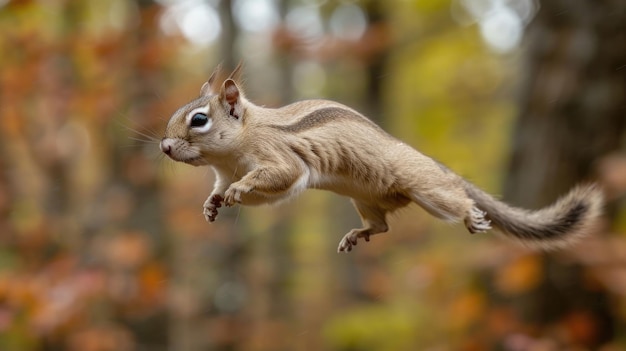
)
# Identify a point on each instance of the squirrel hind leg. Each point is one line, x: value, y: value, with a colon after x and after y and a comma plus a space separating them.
x: 374, y: 222
x: 449, y: 204
x: 476, y: 222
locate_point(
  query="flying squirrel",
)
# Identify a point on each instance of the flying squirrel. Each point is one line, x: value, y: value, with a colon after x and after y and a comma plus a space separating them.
x: 265, y: 155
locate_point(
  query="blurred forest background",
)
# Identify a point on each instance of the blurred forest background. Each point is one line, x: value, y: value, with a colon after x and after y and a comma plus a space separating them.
x: 103, y: 245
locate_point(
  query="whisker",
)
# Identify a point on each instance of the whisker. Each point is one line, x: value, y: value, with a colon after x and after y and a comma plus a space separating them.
x: 152, y: 135
x: 236, y: 221
x: 140, y: 130
x: 144, y: 140
x: 149, y: 137
x: 235, y: 172
x: 166, y: 164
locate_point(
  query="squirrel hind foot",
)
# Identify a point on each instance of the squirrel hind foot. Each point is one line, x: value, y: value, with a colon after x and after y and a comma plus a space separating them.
x: 476, y: 221
x: 351, y: 239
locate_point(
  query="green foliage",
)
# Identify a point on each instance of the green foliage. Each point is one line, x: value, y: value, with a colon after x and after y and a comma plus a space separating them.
x: 443, y: 94
x: 377, y: 327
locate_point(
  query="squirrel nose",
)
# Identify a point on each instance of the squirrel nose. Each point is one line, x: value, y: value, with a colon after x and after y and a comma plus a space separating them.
x: 166, y: 146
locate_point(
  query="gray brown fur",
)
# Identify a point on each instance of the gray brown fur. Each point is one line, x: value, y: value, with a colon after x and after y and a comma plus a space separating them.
x: 263, y: 155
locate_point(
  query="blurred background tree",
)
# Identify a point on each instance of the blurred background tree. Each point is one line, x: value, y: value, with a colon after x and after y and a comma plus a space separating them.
x: 571, y: 115
x: 102, y: 242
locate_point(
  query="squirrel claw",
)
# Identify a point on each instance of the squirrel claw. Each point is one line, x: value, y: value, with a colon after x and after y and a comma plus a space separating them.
x: 233, y: 194
x: 210, y: 207
x: 476, y: 221
x: 349, y: 240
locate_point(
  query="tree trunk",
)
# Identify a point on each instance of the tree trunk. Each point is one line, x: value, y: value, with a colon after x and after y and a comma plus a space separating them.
x: 572, y: 113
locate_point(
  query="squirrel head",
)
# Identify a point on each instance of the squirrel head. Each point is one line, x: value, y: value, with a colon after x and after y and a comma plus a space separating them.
x: 208, y: 127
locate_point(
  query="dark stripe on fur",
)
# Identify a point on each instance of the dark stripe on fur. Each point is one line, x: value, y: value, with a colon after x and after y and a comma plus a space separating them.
x: 321, y: 117
x: 557, y: 229
x: 301, y: 153
x: 566, y: 223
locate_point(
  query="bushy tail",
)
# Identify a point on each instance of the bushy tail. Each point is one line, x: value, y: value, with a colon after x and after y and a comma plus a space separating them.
x: 571, y: 217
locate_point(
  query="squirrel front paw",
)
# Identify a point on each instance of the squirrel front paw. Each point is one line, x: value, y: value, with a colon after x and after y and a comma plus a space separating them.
x: 234, y: 192
x: 211, y: 205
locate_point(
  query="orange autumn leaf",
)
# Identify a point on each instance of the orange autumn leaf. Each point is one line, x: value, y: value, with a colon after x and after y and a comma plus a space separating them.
x: 465, y: 309
x: 128, y: 250
x: 152, y: 280
x: 520, y: 275
x: 581, y: 326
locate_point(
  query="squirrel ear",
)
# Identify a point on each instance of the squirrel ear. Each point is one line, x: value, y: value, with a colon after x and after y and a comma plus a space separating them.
x: 230, y: 91
x: 209, y: 87
x: 231, y: 97
x: 236, y: 74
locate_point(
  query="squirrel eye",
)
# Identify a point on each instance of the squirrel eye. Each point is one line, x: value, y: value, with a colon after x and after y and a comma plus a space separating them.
x: 199, y: 120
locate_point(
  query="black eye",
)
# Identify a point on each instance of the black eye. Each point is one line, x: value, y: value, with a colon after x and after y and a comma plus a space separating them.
x: 199, y: 120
